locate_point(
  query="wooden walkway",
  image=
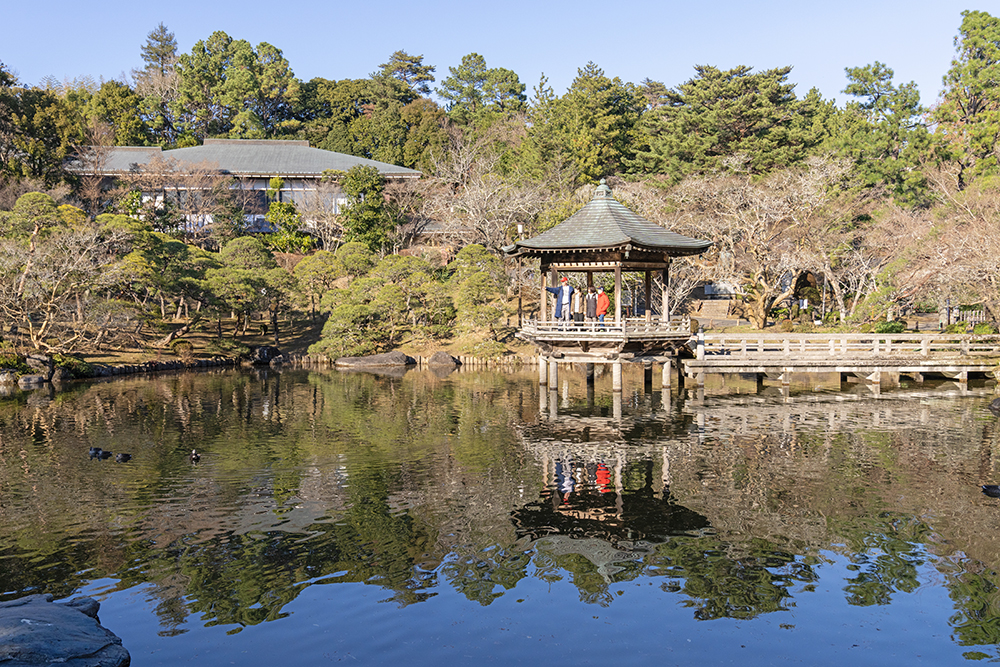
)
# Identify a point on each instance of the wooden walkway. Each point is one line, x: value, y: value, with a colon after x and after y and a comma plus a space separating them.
x: 879, y: 358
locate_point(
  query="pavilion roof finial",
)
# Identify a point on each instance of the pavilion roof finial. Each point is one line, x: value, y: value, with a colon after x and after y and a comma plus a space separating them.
x: 603, y: 191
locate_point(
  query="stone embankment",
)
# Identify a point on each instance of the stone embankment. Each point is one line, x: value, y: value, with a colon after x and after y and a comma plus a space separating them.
x: 45, y: 371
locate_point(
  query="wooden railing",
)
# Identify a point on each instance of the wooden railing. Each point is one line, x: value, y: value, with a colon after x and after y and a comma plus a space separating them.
x: 630, y: 328
x: 851, y: 346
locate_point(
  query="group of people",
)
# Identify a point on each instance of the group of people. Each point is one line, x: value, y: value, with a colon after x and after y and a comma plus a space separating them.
x: 592, y: 306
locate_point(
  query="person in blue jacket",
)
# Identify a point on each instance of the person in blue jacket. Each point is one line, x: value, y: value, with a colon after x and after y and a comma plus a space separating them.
x: 564, y: 295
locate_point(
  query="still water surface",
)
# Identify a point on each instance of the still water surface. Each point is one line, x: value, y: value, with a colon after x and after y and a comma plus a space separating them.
x: 475, y: 518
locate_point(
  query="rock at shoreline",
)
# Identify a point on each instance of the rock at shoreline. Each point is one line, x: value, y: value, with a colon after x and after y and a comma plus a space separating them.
x: 442, y: 358
x: 42, y: 365
x: 37, y: 632
x: 31, y: 381
x: 264, y: 354
x: 394, y: 358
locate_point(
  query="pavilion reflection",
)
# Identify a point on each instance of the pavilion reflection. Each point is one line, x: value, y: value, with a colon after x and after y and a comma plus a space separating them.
x: 606, y: 486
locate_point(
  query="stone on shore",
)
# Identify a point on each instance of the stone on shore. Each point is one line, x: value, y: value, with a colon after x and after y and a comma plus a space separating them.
x: 442, y: 358
x: 35, y: 631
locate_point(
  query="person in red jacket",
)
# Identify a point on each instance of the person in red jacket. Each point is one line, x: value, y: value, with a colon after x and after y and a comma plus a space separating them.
x: 603, y: 303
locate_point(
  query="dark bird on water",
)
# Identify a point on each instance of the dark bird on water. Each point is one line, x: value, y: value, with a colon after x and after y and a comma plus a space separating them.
x: 95, y: 452
x: 105, y: 454
x: 195, y: 456
x: 992, y: 490
x: 123, y: 458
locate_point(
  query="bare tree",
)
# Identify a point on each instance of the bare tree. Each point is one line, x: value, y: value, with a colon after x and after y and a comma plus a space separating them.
x: 756, y: 228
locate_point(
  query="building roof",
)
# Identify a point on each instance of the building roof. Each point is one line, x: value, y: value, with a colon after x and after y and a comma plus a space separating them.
x: 605, y: 225
x: 249, y: 158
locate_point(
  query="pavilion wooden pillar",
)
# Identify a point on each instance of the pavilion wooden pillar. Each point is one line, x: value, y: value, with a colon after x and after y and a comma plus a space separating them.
x: 542, y: 300
x: 665, y: 314
x: 618, y: 293
x: 648, y: 277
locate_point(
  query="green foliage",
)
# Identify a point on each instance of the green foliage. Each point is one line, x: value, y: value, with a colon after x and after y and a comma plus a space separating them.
x: 77, y: 367
x: 968, y: 115
x: 985, y: 328
x: 736, y: 119
x: 286, y: 222
x: 883, y: 133
x: 226, y: 347
x: 355, y: 259
x: 366, y: 218
x: 247, y: 252
x: 478, y: 285
x: 228, y: 88
x: 399, y: 297
x: 472, y: 90
x: 34, y: 215
x: 410, y: 70
x: 121, y: 108
x: 591, y: 130
x: 184, y: 349
x: 889, y: 327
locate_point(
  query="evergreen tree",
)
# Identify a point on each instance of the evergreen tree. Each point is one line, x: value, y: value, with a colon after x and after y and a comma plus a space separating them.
x: 592, y: 128
x: 883, y: 132
x: 752, y: 118
x: 968, y: 116
x: 160, y: 50
x: 410, y: 70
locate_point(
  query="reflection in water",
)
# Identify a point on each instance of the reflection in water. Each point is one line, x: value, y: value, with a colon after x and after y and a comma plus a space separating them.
x: 478, y: 483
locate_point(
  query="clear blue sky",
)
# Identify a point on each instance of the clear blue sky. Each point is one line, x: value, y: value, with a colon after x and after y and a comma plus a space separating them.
x: 632, y: 40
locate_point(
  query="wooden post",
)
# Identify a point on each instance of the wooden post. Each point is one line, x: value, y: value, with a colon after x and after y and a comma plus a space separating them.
x: 648, y: 277
x: 666, y: 293
x: 618, y: 294
x: 543, y: 296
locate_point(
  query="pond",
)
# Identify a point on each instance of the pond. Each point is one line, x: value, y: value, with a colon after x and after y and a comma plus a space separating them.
x: 475, y: 517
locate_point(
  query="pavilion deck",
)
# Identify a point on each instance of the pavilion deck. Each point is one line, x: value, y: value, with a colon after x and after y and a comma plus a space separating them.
x: 604, y: 342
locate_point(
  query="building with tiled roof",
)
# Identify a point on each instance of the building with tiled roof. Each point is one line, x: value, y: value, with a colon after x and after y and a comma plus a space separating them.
x: 252, y: 162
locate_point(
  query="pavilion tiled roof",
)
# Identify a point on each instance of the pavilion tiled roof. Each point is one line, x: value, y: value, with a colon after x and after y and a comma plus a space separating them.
x: 605, y: 224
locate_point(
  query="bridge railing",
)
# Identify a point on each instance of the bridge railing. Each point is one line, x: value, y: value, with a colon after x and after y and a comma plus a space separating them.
x: 749, y: 345
x: 630, y: 328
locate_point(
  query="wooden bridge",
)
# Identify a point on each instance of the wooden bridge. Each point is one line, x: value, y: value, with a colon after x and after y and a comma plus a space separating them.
x: 878, y: 358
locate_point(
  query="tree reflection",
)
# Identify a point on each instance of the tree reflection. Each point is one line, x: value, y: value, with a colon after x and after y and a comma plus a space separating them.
x: 420, y: 484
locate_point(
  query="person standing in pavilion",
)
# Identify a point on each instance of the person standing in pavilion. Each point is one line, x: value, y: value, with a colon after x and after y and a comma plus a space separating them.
x: 603, y: 303
x: 564, y: 297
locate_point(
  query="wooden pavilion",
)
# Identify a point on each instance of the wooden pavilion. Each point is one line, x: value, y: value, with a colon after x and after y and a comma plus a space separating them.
x: 605, y: 237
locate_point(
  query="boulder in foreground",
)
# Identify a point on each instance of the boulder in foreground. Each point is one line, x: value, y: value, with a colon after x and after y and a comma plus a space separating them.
x: 35, y: 631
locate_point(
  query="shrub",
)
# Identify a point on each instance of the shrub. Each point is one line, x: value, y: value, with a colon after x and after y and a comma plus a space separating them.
x: 785, y: 326
x: 228, y: 348
x: 887, y: 327
x: 184, y: 349
x: 957, y: 328
x: 984, y: 328
x: 77, y: 367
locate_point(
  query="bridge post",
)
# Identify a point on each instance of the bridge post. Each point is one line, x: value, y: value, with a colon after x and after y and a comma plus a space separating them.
x: 589, y: 374
x: 647, y: 376
x: 553, y: 374
x: 700, y: 354
x: 667, y: 371
x: 543, y: 370
x: 616, y: 376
